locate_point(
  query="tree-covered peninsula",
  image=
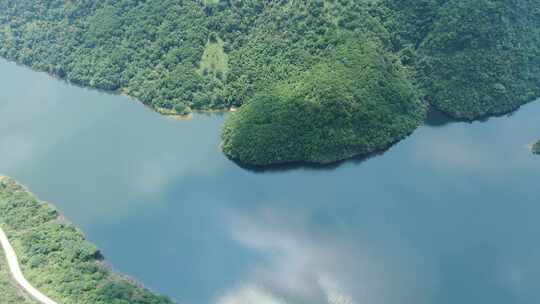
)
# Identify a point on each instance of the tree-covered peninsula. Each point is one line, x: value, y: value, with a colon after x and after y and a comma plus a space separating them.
x: 56, y: 258
x: 536, y: 148
x: 356, y: 101
x: 469, y: 59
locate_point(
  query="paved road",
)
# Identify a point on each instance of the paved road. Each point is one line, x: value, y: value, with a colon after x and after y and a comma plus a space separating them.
x: 17, y: 274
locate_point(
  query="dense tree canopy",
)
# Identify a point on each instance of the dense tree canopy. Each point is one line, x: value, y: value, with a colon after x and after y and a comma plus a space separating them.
x: 474, y: 58
x: 355, y: 102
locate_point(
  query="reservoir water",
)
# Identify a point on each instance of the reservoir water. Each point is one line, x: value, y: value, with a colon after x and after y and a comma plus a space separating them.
x: 449, y: 215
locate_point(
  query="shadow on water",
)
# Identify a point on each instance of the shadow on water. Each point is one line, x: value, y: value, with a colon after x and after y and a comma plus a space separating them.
x: 437, y: 119
x: 306, y: 166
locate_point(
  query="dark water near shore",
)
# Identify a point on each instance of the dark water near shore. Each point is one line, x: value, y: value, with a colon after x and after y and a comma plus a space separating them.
x: 449, y: 215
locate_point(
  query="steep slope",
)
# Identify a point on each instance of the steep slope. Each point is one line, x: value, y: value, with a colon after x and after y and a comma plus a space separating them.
x: 474, y: 58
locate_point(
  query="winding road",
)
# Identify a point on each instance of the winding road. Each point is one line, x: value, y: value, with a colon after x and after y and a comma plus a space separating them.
x: 17, y: 274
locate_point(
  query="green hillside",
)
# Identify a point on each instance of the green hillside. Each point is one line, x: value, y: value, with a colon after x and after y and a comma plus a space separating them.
x: 356, y: 101
x: 56, y: 258
x: 474, y: 58
x: 469, y: 59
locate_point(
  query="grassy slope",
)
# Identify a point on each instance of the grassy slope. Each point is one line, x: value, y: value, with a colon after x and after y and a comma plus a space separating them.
x: 214, y: 60
x: 55, y: 257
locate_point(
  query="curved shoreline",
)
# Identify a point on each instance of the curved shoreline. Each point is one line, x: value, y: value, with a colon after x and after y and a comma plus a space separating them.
x: 17, y: 274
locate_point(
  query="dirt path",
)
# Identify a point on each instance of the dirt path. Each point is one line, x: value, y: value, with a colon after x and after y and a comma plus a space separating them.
x: 17, y: 274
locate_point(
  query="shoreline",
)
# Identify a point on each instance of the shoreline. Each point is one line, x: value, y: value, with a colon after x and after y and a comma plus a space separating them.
x: 44, y: 218
x: 534, y: 147
x: 173, y: 114
x: 120, y: 92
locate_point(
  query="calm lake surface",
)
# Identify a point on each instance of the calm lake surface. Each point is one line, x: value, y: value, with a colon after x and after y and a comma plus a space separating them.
x: 449, y: 215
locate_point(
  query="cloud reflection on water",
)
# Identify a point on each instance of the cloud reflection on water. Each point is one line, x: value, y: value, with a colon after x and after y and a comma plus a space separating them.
x: 303, y: 265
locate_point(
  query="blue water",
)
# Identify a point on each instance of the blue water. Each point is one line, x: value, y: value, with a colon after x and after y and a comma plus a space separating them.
x: 449, y: 215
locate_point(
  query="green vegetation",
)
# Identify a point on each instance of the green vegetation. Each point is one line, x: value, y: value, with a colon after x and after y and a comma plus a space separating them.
x: 9, y: 290
x: 469, y: 59
x: 358, y: 101
x: 55, y: 257
x: 474, y: 58
x: 536, y: 148
x: 214, y: 60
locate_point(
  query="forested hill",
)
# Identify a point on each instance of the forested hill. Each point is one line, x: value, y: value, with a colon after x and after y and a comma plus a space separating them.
x: 473, y: 58
x: 468, y: 58
x: 201, y: 54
